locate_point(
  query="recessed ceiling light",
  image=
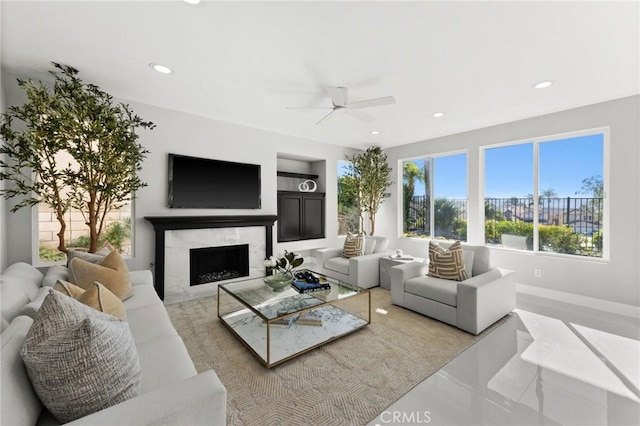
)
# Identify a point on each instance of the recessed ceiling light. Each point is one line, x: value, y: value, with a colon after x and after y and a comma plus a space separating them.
x: 543, y: 84
x: 438, y: 114
x: 192, y: 1
x: 163, y: 69
x: 375, y: 132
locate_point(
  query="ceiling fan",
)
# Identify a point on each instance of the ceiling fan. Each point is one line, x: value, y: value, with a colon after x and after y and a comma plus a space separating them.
x: 339, y: 98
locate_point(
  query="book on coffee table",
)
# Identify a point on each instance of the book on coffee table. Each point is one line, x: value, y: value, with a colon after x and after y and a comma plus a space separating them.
x: 302, y: 286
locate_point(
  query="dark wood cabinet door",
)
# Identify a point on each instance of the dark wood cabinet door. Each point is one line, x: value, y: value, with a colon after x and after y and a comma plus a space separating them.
x: 300, y: 216
x: 289, y: 218
x: 312, y: 216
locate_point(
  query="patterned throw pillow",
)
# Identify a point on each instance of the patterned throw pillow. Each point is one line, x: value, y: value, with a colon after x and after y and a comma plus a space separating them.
x: 97, y: 296
x: 112, y: 273
x: 447, y: 264
x: 353, y: 245
x: 79, y: 360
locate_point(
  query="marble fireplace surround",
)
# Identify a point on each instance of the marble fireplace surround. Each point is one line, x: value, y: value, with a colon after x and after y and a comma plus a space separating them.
x: 162, y: 224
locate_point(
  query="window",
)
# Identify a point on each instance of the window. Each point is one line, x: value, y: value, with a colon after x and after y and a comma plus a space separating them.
x: 547, y: 195
x: 434, y: 201
x: 117, y: 230
x: 348, y: 213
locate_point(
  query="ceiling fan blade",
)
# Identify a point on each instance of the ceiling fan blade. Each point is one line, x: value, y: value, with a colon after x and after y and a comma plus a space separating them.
x: 338, y: 95
x: 309, y: 107
x: 387, y: 100
x: 326, y: 117
x: 362, y: 116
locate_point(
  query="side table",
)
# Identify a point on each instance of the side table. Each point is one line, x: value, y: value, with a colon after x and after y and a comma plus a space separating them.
x: 387, y: 262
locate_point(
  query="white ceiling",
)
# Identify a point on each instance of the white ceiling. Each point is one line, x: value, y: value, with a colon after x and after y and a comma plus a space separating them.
x: 247, y: 62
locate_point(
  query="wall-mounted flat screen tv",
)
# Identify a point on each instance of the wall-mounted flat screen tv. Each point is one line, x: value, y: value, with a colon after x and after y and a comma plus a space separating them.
x: 203, y: 183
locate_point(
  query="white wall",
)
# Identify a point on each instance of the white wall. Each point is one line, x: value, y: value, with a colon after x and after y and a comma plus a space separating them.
x: 617, y: 280
x: 193, y: 135
x: 3, y: 205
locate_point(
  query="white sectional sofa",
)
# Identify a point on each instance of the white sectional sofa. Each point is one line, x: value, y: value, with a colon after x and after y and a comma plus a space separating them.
x: 171, y: 391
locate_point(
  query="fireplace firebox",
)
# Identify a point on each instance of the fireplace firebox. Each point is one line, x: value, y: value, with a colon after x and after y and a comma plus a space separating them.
x: 211, y: 264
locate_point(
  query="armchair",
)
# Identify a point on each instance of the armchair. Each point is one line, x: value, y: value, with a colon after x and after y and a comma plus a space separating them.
x: 471, y: 305
x: 363, y: 271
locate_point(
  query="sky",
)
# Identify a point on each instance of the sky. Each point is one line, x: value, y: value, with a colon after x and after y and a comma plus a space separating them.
x: 563, y: 164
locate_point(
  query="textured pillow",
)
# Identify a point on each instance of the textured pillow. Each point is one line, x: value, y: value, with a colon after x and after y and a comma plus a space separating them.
x: 353, y: 245
x: 112, y: 273
x: 79, y: 360
x: 97, y: 296
x: 447, y: 264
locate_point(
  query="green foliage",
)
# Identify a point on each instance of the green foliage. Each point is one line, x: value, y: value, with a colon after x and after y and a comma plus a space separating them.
x: 371, y: 175
x: 118, y: 232
x: 597, y: 240
x: 592, y: 186
x: 82, y: 121
x: 411, y: 173
x: 81, y: 241
x: 559, y: 239
x: 50, y: 255
x: 494, y: 230
x: 460, y: 229
x: 445, y: 213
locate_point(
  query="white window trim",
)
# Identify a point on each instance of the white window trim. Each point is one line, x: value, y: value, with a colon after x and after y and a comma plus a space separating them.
x: 399, y: 206
x: 605, y: 131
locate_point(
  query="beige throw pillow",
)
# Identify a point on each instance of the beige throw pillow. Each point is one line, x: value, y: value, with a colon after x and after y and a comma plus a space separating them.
x: 112, y: 273
x: 447, y: 264
x: 79, y: 360
x: 353, y: 245
x: 96, y: 257
x: 97, y: 296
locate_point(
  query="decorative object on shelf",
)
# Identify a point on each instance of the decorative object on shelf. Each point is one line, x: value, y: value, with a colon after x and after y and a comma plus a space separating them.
x: 308, y: 186
x: 278, y: 282
x: 284, y: 263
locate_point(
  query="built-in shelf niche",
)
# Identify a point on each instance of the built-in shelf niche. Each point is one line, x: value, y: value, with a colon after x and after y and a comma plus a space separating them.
x: 293, y: 170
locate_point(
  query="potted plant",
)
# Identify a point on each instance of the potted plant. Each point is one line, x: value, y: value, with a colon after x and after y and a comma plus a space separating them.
x: 370, y: 175
x: 71, y: 146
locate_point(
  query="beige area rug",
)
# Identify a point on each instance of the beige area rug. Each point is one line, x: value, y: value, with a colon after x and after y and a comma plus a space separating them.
x: 346, y: 382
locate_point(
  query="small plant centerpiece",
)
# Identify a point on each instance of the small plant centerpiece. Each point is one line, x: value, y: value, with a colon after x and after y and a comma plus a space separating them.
x: 280, y: 270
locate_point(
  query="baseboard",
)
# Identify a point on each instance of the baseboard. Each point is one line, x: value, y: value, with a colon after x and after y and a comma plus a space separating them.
x: 622, y: 309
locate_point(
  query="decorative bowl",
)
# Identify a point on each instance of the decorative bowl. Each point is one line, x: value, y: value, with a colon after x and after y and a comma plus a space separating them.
x: 278, y: 282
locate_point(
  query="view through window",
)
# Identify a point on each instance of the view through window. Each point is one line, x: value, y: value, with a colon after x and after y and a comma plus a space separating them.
x: 348, y: 214
x: 564, y: 212
x: 434, y: 199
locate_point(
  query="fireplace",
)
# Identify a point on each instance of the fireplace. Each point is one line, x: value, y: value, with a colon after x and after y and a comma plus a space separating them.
x: 211, y: 264
x: 260, y: 246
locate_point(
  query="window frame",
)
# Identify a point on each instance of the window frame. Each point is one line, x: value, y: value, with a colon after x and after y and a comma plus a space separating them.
x: 536, y: 141
x: 400, y: 179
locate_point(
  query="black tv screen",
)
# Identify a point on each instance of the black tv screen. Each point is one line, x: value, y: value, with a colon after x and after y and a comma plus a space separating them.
x: 212, y: 184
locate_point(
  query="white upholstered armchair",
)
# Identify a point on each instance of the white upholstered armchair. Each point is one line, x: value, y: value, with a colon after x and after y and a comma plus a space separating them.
x: 471, y: 305
x: 363, y: 271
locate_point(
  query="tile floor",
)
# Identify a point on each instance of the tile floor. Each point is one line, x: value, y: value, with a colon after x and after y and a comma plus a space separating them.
x: 549, y: 364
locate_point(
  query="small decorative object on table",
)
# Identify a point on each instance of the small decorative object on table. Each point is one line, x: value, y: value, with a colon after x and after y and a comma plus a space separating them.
x: 280, y: 270
x: 306, y: 282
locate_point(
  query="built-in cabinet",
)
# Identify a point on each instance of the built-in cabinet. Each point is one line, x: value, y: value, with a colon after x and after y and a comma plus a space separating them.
x: 300, y: 215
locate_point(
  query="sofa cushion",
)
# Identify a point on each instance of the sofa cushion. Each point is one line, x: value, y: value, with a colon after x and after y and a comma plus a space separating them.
x: 12, y: 299
x: 79, y: 360
x: 155, y: 355
x: 112, y: 273
x: 438, y: 289
x: 96, y: 296
x: 468, y: 256
x: 338, y: 264
x: 382, y: 243
x: 31, y: 308
x: 145, y: 295
x: 24, y: 276
x: 55, y: 273
x: 20, y: 404
x: 96, y: 257
x: 369, y: 245
x: 150, y: 322
x: 353, y: 245
x: 447, y: 264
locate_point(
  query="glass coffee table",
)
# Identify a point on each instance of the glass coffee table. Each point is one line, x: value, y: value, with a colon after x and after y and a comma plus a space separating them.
x: 278, y: 326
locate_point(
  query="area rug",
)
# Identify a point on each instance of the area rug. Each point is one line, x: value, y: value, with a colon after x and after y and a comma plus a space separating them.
x: 346, y: 382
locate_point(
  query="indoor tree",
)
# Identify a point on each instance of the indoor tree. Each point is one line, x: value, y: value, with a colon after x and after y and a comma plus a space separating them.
x: 71, y: 146
x: 371, y: 176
